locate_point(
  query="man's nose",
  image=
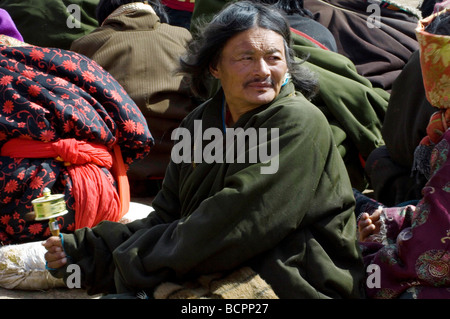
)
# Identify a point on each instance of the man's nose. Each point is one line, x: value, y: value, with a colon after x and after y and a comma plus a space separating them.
x: 261, y: 68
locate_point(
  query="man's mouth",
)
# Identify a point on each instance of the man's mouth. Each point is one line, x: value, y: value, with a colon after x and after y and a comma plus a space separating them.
x: 260, y: 84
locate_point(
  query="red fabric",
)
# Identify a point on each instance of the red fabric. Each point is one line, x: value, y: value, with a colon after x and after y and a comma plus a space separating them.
x: 120, y: 173
x: 96, y: 199
x: 309, y: 38
x: 438, y: 124
x: 183, y: 5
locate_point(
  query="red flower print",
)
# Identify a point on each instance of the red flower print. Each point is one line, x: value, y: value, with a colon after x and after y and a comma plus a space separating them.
x: 6, y: 200
x: 116, y: 96
x: 8, y: 106
x: 21, y: 124
x: 71, y: 227
x: 34, y: 90
x: 35, y: 228
x: 68, y: 126
x: 6, y: 79
x: 37, y: 182
x: 36, y: 55
x: 11, y: 186
x: 41, y: 125
x: 5, y: 219
x: 102, y: 133
x: 21, y: 175
x: 16, y: 215
x: 130, y: 126
x: 92, y: 89
x: 9, y: 230
x: 69, y: 65
x: 140, y: 128
x: 88, y: 76
x: 15, y: 96
x: 65, y: 96
x: 29, y: 74
x: 35, y: 106
x: 3, y: 237
x: 60, y: 81
x: 47, y: 135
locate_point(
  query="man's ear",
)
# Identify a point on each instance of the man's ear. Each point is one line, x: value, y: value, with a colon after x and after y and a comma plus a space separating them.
x: 214, y: 72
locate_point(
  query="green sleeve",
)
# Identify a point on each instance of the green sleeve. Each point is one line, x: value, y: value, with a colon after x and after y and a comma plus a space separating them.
x: 249, y: 216
x: 92, y: 248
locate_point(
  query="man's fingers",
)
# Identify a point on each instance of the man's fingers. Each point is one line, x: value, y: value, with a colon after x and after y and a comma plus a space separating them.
x: 52, y: 256
x: 55, y: 259
x: 52, y: 241
x: 57, y: 263
x: 366, y: 232
x: 55, y: 255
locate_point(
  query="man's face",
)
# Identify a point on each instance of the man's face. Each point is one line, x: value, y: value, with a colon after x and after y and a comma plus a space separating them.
x: 252, y: 68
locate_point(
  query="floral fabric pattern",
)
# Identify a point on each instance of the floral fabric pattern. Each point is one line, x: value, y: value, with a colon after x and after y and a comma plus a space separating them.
x: 435, y: 63
x: 48, y: 94
x: 414, y: 255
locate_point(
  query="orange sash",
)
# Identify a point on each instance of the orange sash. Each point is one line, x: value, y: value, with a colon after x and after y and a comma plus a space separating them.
x: 96, y: 199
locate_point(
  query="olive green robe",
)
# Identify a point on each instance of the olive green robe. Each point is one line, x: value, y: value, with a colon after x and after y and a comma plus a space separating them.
x: 294, y: 226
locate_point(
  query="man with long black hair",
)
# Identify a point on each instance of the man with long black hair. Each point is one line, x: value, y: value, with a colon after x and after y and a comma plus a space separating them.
x: 293, y: 226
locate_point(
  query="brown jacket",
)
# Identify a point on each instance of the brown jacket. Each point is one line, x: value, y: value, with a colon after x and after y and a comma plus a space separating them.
x: 142, y: 54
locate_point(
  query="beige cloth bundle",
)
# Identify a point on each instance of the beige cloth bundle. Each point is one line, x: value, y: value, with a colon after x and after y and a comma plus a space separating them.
x: 23, y: 267
x: 244, y: 283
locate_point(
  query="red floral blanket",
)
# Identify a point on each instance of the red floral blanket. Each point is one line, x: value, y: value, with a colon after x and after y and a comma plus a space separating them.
x: 49, y: 95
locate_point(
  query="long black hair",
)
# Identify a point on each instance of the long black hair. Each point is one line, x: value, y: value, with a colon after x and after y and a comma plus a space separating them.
x: 207, y: 44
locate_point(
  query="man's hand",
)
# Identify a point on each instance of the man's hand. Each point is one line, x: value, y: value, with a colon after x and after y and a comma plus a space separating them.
x: 55, y: 255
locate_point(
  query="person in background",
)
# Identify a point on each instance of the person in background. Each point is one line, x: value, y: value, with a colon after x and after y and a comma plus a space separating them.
x: 140, y: 49
x: 410, y: 244
x: 391, y: 167
x: 288, y: 218
x: 377, y: 37
x: 302, y: 20
x: 179, y: 12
